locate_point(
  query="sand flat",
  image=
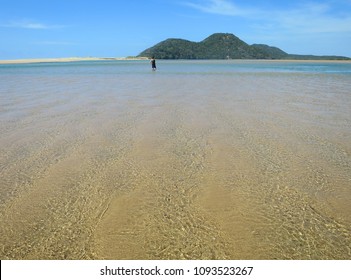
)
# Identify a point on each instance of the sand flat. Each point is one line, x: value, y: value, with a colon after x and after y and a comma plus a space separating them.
x: 66, y: 59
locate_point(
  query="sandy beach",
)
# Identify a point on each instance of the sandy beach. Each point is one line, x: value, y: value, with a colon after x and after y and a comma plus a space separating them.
x: 120, y: 162
x: 67, y: 59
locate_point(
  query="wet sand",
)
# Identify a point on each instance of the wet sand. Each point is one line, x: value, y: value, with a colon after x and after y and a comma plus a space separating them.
x: 157, y: 167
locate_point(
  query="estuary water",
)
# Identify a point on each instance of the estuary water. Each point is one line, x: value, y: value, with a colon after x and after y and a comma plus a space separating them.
x: 197, y: 160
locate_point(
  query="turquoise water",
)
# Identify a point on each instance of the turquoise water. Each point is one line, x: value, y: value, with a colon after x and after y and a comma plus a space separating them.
x: 178, y: 67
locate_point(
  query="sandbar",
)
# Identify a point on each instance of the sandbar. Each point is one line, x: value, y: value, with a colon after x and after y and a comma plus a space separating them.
x: 66, y: 59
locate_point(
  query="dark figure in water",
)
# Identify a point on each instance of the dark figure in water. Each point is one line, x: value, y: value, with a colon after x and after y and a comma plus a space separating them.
x: 153, y: 63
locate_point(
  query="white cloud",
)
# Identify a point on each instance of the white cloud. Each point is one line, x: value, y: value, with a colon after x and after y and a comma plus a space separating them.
x: 311, y: 17
x: 30, y: 24
x: 221, y: 7
x: 54, y: 43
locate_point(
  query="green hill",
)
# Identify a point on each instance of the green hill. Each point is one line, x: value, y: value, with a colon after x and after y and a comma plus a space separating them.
x: 220, y: 46
x: 271, y: 52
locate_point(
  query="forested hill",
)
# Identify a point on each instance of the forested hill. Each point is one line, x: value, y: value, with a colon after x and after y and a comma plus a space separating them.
x: 221, y: 46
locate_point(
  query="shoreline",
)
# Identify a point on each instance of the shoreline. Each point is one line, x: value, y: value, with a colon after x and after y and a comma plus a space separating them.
x: 67, y: 59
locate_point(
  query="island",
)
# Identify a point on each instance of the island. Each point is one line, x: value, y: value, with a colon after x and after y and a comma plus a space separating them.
x: 223, y: 46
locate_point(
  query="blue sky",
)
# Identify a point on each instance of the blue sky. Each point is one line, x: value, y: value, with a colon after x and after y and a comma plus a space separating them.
x: 107, y: 28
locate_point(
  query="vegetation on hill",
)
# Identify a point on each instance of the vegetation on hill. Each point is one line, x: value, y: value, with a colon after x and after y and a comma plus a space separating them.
x: 220, y: 46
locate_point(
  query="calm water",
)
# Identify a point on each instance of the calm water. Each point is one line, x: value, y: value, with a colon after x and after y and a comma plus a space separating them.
x: 198, y: 160
x: 177, y: 67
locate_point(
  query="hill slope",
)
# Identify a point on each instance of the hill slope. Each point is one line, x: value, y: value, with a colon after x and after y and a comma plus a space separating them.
x: 220, y: 46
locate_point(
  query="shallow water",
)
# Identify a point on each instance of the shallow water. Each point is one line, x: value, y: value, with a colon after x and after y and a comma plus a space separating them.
x: 199, y: 160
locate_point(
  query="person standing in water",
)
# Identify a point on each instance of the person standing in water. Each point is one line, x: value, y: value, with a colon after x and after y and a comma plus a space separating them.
x: 153, y: 63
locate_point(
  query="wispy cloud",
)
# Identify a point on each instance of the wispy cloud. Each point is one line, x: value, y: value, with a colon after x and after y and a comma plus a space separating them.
x: 54, y: 43
x: 311, y: 17
x: 314, y: 24
x: 30, y: 24
x: 221, y: 7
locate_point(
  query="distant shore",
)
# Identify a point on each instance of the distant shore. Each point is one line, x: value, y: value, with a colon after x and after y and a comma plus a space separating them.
x: 68, y: 59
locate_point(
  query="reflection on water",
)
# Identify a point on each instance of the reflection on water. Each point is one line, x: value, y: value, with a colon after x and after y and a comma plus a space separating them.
x: 200, y: 160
